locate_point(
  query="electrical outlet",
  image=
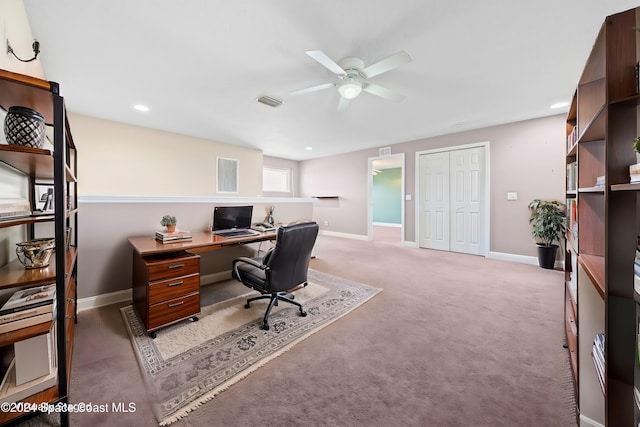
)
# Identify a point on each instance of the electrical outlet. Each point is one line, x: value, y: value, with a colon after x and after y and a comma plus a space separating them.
x: 326, y: 223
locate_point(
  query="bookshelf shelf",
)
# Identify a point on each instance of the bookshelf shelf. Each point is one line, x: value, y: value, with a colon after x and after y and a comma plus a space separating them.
x: 594, y: 267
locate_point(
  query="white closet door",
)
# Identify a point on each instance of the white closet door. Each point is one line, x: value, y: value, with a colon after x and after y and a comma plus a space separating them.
x: 434, y: 201
x: 452, y: 185
x: 467, y: 185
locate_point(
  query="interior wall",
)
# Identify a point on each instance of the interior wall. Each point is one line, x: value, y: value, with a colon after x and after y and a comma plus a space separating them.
x: 105, y: 257
x: 15, y: 27
x: 120, y: 159
x: 525, y: 157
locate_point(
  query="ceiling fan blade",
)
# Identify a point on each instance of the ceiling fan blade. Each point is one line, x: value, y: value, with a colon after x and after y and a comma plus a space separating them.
x: 312, y: 89
x: 383, y: 92
x: 394, y: 61
x: 343, y: 104
x: 327, y: 62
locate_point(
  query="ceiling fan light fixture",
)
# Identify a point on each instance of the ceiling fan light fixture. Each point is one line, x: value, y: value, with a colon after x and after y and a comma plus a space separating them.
x: 350, y: 88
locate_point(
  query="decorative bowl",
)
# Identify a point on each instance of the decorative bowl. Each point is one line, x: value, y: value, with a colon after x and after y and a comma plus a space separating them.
x: 35, y: 253
x: 25, y: 127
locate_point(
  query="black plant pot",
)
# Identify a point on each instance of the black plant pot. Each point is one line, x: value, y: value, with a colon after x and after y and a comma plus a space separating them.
x: 547, y: 256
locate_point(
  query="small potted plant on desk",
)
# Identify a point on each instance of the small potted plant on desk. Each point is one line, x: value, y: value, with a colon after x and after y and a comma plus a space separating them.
x: 549, y: 222
x: 169, y: 222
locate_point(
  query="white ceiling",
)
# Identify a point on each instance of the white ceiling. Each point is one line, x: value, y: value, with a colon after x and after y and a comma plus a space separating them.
x: 199, y: 65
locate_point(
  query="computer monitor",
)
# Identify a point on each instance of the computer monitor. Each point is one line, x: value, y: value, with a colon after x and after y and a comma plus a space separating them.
x: 226, y: 218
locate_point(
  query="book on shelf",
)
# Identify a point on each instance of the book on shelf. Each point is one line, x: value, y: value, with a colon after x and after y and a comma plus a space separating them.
x: 28, y: 312
x: 572, y: 176
x: 27, y: 321
x: 600, y: 181
x: 25, y: 299
x: 597, y: 355
x: 178, y: 235
x: 572, y: 138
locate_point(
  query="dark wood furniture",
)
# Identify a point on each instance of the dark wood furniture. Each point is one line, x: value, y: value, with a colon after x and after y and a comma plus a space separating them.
x: 166, y: 277
x: 57, y: 169
x: 599, y: 262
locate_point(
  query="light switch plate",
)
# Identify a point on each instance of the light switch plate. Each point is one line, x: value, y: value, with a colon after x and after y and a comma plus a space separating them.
x: 512, y: 196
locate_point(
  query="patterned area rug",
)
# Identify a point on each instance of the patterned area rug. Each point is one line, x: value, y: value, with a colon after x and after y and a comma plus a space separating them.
x: 191, y: 362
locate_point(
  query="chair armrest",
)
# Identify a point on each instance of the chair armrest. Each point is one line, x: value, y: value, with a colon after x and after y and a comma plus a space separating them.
x: 246, y: 260
x: 249, y: 261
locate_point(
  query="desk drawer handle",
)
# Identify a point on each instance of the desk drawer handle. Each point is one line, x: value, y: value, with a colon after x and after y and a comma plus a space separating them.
x: 176, y: 304
x: 171, y: 267
x: 176, y: 283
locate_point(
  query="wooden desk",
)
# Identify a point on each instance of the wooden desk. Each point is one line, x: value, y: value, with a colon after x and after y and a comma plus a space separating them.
x: 166, y: 276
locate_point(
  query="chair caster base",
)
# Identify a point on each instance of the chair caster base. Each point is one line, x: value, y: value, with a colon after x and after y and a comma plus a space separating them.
x: 265, y: 326
x: 247, y: 305
x: 194, y: 318
x: 303, y: 313
x: 153, y: 335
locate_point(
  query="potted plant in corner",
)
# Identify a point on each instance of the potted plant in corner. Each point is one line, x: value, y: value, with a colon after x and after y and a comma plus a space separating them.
x: 169, y: 221
x: 549, y: 222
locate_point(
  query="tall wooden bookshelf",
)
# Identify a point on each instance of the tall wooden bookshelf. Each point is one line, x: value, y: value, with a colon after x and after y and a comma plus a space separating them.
x: 56, y: 169
x: 600, y: 250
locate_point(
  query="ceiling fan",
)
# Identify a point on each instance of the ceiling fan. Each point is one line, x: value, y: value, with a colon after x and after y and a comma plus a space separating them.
x: 353, y: 73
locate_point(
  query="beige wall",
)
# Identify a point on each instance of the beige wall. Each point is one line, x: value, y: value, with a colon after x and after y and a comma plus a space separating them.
x: 120, y: 159
x: 525, y: 157
x: 15, y: 27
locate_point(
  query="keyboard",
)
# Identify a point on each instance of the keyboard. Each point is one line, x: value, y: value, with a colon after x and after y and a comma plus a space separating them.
x: 238, y: 233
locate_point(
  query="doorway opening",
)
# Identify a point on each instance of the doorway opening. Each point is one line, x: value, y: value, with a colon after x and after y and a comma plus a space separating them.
x: 385, y: 199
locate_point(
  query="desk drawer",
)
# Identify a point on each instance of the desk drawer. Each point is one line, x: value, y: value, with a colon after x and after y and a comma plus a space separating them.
x: 172, y: 310
x: 164, y: 290
x: 182, y: 265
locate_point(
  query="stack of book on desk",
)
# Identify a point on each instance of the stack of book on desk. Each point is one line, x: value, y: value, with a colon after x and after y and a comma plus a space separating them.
x: 28, y: 307
x: 173, y: 237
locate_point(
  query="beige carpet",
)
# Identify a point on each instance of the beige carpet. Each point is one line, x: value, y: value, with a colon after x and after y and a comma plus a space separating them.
x: 191, y: 362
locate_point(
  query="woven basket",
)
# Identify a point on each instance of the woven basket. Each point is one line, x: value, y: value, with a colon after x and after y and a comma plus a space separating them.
x: 35, y: 253
x: 25, y: 127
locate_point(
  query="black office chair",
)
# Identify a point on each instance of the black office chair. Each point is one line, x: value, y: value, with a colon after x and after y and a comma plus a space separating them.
x: 281, y: 269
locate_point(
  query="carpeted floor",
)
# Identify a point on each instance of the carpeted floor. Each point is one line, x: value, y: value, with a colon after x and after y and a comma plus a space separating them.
x: 189, y: 363
x: 454, y: 340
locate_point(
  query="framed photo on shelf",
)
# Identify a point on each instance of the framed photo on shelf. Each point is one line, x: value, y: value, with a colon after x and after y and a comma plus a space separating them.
x: 44, y: 198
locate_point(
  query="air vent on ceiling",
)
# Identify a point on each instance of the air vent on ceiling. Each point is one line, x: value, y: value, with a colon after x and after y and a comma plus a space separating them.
x: 270, y: 101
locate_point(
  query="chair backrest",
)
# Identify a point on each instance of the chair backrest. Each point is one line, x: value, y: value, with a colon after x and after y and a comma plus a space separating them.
x: 288, y: 262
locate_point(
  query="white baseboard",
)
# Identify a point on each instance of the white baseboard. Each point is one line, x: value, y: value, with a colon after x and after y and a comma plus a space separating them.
x: 588, y: 422
x: 126, y: 295
x: 524, y: 259
x: 104, y: 299
x: 345, y: 235
x: 387, y: 224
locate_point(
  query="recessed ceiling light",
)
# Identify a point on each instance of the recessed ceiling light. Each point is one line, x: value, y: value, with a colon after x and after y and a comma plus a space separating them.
x: 141, y: 107
x: 560, y: 105
x: 308, y: 148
